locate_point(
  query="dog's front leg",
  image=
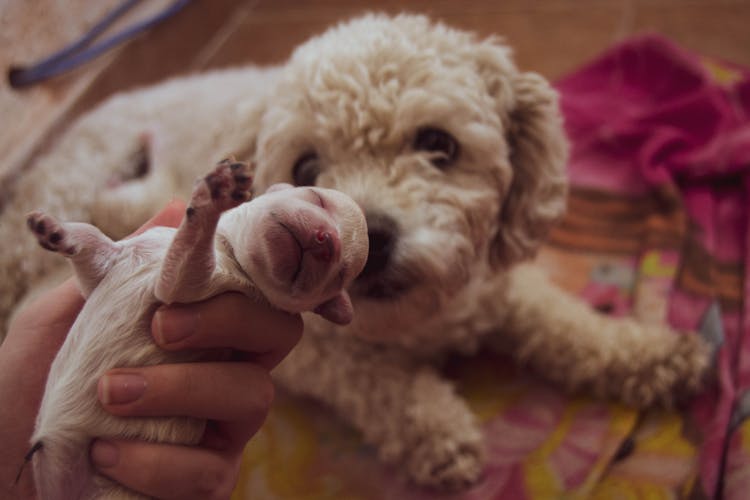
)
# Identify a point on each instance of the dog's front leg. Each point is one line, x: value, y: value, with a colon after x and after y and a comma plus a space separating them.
x: 407, y: 411
x: 566, y: 341
x: 190, y: 262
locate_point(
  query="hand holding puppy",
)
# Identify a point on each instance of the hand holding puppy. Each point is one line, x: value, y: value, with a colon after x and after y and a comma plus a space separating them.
x: 234, y: 396
x: 235, y: 412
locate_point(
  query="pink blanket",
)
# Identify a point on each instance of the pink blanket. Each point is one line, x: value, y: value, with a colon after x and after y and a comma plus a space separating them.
x: 657, y: 228
x: 665, y: 135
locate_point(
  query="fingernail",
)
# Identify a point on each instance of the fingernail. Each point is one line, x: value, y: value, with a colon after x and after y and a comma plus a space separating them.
x: 104, y: 454
x: 121, y: 388
x: 174, y: 324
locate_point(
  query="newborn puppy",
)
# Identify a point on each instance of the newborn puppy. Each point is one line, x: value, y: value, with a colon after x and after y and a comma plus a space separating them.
x: 297, y: 248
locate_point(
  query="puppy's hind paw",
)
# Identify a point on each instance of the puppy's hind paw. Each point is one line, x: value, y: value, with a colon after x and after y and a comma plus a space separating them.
x: 50, y: 233
x: 228, y: 185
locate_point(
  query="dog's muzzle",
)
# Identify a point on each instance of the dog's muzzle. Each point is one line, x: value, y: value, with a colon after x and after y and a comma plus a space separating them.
x: 380, y: 278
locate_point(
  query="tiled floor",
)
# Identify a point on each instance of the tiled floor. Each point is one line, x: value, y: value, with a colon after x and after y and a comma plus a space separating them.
x: 549, y: 36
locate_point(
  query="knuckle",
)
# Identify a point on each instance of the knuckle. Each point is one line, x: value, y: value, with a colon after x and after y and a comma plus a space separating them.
x: 258, y: 399
x: 216, y: 483
x: 151, y: 476
x: 288, y: 337
x: 264, y: 390
x: 208, y: 484
x: 190, y: 381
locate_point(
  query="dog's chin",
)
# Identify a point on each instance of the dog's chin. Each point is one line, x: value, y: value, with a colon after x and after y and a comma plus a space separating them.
x: 381, y: 288
x: 390, y: 284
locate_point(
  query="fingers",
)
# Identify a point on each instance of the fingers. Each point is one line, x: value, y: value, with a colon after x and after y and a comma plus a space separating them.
x: 167, y: 471
x: 33, y: 339
x: 238, y: 395
x: 44, y: 323
x: 229, y: 320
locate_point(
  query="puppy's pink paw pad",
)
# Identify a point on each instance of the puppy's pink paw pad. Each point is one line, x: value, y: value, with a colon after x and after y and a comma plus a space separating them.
x: 50, y: 233
x: 230, y: 183
x: 227, y: 186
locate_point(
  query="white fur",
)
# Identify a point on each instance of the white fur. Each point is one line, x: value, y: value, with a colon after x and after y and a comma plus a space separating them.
x: 126, y: 281
x: 357, y: 95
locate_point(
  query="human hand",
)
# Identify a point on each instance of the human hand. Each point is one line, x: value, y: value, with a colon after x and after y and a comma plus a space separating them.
x: 233, y: 396
x: 33, y: 339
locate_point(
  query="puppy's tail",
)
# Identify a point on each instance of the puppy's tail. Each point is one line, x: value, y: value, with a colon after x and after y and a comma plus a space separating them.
x: 37, y: 446
x: 61, y: 468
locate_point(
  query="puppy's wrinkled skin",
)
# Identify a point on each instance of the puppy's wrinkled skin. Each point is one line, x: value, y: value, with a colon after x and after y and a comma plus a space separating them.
x: 457, y: 159
x: 297, y: 248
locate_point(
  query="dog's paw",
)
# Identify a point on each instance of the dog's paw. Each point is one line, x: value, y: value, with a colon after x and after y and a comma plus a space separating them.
x: 670, y: 377
x: 228, y: 185
x: 445, y: 464
x: 50, y: 233
x: 439, y: 442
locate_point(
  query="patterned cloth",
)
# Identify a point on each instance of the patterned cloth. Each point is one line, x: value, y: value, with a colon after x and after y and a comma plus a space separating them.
x: 657, y: 228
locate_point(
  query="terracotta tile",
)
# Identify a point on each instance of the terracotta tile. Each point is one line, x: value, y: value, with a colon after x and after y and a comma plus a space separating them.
x: 541, y: 41
x: 717, y: 29
x: 552, y: 37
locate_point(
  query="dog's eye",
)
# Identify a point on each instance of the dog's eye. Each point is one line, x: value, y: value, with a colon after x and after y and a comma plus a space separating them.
x: 439, y: 142
x: 306, y: 170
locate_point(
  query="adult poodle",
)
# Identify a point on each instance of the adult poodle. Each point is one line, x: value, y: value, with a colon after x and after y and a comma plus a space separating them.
x: 457, y: 160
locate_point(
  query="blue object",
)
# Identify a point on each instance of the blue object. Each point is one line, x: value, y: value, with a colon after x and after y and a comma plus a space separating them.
x: 82, y: 50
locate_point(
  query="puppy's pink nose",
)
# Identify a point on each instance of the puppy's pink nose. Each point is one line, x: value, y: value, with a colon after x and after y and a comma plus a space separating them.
x: 322, y: 246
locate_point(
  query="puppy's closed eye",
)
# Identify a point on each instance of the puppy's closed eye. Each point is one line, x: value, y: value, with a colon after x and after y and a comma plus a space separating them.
x: 306, y: 169
x: 444, y: 146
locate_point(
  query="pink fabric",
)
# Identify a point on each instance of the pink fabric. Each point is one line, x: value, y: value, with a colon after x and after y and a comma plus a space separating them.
x: 648, y: 117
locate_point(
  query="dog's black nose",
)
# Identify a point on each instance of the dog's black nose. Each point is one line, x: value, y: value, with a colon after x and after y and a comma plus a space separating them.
x: 382, y: 231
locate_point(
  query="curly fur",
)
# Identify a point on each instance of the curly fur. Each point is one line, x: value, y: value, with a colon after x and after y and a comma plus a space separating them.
x: 356, y: 96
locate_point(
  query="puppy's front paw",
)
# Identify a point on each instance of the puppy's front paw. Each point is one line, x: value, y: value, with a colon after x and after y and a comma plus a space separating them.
x: 228, y: 185
x: 50, y: 233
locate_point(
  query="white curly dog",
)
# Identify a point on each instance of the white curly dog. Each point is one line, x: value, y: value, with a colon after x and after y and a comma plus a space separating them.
x: 457, y: 160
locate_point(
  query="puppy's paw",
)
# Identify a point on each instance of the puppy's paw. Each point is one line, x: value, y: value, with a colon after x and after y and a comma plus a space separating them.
x: 50, y: 233
x: 228, y: 185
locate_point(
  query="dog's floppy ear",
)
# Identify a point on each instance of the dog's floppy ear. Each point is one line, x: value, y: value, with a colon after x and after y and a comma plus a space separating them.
x: 527, y: 106
x: 538, y: 156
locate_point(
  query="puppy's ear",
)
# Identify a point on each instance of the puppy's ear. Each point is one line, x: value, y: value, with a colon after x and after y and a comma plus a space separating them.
x: 538, y: 156
x: 338, y: 310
